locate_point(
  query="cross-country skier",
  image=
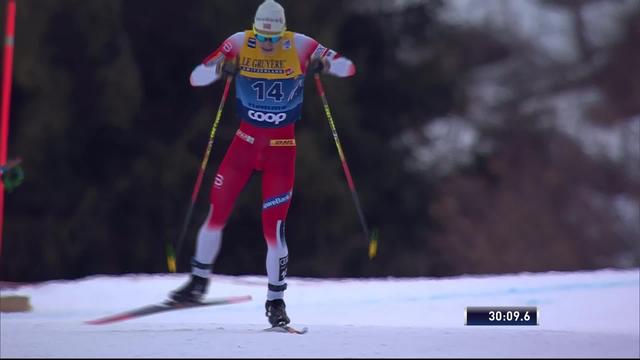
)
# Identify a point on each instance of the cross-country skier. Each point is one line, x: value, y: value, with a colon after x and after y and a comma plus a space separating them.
x: 270, y: 64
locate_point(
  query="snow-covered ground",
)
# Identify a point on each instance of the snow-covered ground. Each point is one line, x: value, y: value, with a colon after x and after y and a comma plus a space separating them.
x: 582, y: 314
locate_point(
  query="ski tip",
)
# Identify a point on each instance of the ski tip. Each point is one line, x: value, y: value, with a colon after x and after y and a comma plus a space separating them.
x: 287, y: 329
x: 98, y: 321
x: 167, y: 305
x: 238, y: 299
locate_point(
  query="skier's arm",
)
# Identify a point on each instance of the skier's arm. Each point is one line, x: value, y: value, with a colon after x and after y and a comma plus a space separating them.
x: 311, y: 51
x: 210, y: 69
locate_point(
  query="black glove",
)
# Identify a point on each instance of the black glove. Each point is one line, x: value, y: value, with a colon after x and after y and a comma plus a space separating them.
x: 229, y: 67
x: 319, y: 65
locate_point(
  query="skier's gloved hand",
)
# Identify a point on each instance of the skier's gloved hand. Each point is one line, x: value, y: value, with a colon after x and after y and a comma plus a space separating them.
x: 229, y: 67
x: 319, y: 65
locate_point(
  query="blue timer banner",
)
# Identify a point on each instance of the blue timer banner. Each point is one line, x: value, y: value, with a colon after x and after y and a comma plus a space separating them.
x: 505, y: 315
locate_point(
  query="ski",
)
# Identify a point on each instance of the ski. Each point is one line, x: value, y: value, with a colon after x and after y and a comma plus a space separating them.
x: 164, y: 307
x: 287, y: 329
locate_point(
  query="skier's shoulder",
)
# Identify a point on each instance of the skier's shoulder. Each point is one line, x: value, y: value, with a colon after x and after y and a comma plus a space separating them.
x: 234, y: 40
x: 303, y: 39
x: 304, y: 44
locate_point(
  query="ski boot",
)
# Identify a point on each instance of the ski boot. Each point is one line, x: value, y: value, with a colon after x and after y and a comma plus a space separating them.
x: 276, y: 313
x: 191, y: 292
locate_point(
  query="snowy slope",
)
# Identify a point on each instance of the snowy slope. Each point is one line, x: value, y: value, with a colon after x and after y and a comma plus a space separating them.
x: 582, y: 314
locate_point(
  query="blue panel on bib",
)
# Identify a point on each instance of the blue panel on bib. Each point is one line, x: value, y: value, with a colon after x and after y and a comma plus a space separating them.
x: 269, y: 103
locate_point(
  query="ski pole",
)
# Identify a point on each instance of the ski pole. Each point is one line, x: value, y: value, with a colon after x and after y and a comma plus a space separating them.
x: 7, y: 76
x: 171, y: 257
x: 371, y: 237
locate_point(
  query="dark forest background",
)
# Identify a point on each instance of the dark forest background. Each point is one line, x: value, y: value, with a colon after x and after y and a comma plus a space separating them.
x: 112, y: 135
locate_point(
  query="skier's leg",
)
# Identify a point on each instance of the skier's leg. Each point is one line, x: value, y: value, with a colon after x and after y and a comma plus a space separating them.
x: 232, y: 175
x: 277, y: 187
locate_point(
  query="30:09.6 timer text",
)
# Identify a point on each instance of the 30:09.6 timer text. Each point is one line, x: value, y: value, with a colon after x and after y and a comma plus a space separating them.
x: 486, y: 315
